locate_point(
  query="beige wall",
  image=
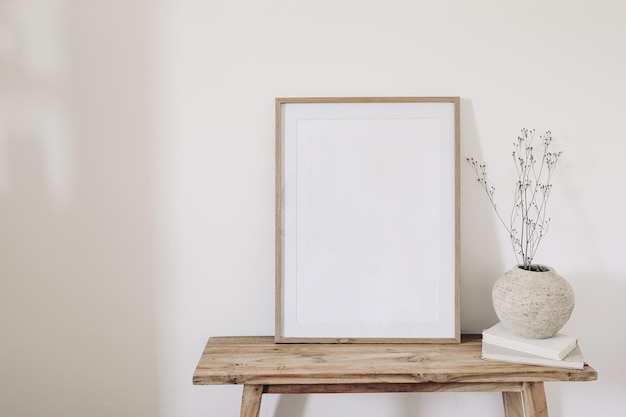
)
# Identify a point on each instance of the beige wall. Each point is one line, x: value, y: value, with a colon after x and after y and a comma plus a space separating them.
x: 137, y: 182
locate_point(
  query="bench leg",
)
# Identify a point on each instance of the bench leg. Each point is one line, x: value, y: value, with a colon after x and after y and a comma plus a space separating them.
x: 534, y: 397
x: 251, y: 400
x: 513, y: 404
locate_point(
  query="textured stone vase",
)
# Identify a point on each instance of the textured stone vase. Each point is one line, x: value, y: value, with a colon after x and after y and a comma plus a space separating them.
x: 533, y: 304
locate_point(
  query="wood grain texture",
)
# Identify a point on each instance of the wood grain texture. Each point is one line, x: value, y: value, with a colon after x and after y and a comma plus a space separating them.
x: 251, y: 400
x: 366, y: 99
x: 278, y: 227
x: 513, y: 387
x: 260, y: 361
x: 534, y: 397
x: 512, y: 404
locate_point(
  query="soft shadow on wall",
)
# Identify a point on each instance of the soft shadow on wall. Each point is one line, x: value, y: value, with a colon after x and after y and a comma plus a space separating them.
x: 77, y: 270
x: 597, y: 319
x: 481, y: 253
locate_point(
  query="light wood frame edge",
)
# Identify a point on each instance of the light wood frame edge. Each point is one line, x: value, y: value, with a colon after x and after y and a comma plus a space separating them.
x: 279, y: 101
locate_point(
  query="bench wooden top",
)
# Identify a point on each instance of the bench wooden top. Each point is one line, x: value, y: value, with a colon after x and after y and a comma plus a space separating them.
x: 258, y: 360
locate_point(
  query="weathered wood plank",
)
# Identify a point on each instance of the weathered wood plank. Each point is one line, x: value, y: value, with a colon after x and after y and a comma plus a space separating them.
x: 251, y: 400
x: 512, y: 404
x: 534, y: 397
x: 378, y: 388
x: 258, y: 360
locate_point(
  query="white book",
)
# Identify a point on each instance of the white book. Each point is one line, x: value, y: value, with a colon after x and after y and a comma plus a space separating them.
x: 556, y: 347
x: 574, y: 360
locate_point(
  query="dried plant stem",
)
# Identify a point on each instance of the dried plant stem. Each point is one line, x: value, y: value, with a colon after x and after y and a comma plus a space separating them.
x: 528, y: 222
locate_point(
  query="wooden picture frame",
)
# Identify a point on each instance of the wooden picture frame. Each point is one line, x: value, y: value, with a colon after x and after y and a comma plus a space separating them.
x: 367, y: 220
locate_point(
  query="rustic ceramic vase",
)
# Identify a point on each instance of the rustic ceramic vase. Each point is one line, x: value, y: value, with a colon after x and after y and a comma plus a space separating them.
x: 532, y: 304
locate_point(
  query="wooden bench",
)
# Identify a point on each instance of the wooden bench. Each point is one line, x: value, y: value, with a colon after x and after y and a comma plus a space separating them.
x: 262, y: 366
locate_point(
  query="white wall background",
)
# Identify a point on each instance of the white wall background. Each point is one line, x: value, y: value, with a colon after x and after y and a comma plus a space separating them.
x: 137, y: 182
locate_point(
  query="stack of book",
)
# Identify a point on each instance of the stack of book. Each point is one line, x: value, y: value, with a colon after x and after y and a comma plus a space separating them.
x: 559, y: 350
